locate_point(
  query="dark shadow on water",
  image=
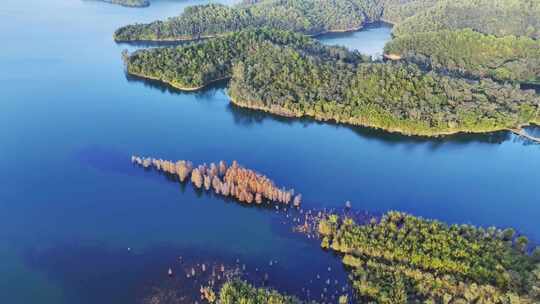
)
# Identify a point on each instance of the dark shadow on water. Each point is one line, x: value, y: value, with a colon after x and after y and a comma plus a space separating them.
x: 247, y: 117
x: 105, y: 159
x: 207, y: 91
x: 93, y: 272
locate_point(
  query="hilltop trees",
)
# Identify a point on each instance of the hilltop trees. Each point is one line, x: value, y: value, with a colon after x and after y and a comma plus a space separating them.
x: 472, y: 54
x: 195, y: 65
x: 495, y: 17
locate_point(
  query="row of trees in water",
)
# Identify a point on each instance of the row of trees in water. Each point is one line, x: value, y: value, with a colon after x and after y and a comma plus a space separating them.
x: 405, y: 259
x: 398, y: 97
x: 243, y: 184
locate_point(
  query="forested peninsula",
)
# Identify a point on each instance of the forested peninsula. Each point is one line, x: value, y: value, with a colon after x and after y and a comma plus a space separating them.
x: 397, y: 97
x: 293, y: 75
x: 466, y: 53
x: 194, y: 66
x: 128, y: 3
x: 399, y: 259
x: 311, y: 17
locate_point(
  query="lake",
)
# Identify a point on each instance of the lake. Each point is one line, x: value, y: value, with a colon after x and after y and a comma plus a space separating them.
x: 80, y: 224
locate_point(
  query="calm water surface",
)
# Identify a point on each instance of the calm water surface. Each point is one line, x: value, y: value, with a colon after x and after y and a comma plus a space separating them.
x: 71, y: 203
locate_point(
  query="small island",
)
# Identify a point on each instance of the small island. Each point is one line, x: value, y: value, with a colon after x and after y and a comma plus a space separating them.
x: 129, y: 3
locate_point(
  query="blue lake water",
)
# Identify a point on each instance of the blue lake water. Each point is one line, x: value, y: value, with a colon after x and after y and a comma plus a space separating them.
x: 71, y: 203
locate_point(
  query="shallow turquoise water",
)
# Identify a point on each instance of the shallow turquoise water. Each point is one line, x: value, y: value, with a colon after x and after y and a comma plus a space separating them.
x: 71, y: 203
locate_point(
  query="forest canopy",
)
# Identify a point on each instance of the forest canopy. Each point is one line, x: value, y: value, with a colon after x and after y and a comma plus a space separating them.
x: 403, y: 259
x: 472, y: 54
x: 196, y: 65
x: 305, y: 16
x: 494, y: 17
x: 396, y: 97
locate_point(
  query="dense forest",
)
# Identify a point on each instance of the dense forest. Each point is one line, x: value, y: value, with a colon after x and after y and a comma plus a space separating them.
x: 403, y: 259
x: 306, y: 16
x: 468, y: 53
x: 395, y: 11
x: 393, y: 96
x: 195, y: 65
x: 129, y: 3
x: 494, y: 17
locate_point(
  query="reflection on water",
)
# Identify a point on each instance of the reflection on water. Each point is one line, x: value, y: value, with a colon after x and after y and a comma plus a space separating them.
x: 247, y: 117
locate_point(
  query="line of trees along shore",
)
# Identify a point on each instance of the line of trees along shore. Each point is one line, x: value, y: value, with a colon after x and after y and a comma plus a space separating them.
x: 467, y: 53
x: 398, y: 97
x: 198, y: 64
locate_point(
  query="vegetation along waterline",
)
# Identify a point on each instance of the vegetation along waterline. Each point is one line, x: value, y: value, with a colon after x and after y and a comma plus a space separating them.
x: 399, y: 258
x: 242, y: 184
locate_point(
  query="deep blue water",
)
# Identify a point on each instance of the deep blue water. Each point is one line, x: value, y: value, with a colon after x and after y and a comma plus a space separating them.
x: 71, y: 203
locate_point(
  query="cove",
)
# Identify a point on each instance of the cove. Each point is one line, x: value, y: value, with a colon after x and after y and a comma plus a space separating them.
x: 71, y: 203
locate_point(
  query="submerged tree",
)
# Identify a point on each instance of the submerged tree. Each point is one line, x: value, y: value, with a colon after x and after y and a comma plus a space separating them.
x: 243, y: 184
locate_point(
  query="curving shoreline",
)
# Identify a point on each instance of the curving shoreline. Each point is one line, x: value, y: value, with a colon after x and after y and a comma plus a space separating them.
x: 360, y: 122
x: 177, y: 85
x: 364, y: 122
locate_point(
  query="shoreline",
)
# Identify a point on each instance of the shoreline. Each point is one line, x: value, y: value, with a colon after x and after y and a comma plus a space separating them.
x: 435, y: 134
x: 175, y: 85
x: 279, y: 111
